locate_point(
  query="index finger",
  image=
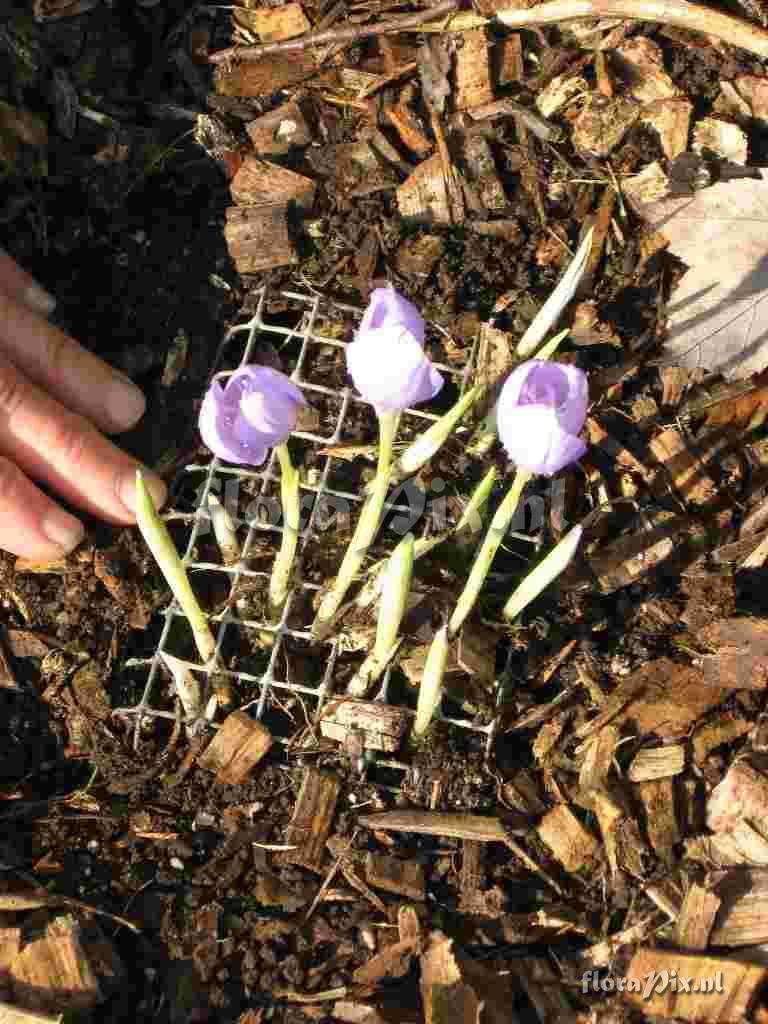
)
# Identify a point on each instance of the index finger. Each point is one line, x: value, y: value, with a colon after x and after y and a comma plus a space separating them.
x: 81, y: 381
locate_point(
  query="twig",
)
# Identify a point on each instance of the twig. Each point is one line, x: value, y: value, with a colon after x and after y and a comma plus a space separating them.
x: 330, y: 876
x: 695, y: 17
x: 336, y: 35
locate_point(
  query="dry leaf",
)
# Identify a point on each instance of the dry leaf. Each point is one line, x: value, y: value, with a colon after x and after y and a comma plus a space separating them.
x: 717, y: 315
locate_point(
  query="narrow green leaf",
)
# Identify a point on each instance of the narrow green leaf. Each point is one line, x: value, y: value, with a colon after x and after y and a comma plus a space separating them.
x: 548, y: 569
x: 160, y: 543
x: 431, y: 688
x: 549, y: 313
x: 433, y: 439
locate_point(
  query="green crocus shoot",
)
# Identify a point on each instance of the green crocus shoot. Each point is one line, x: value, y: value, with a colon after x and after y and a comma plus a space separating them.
x: 469, y: 523
x: 160, y: 543
x: 552, y: 309
x: 431, y: 688
x: 280, y: 580
x: 482, y: 563
x: 428, y: 444
x: 396, y: 586
x: 365, y: 531
x: 546, y: 572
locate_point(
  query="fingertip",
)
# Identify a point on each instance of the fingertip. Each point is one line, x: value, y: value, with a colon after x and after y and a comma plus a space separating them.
x: 62, y: 529
x: 125, y: 403
x: 36, y: 298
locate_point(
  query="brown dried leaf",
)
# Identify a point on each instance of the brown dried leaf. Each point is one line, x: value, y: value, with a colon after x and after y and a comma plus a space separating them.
x: 748, y: 409
x: 743, y: 793
x: 718, y: 314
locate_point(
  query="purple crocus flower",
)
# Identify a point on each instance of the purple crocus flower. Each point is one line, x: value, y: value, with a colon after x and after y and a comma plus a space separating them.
x: 253, y: 411
x: 386, y: 360
x: 542, y: 408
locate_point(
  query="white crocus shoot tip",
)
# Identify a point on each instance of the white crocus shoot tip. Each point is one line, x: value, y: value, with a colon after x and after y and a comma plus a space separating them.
x: 548, y: 569
x: 396, y: 586
x: 280, y: 581
x: 431, y: 688
x: 484, y: 558
x: 548, y: 350
x: 160, y: 543
x: 432, y: 440
x: 365, y: 531
x: 471, y: 518
x: 187, y: 685
x: 549, y: 313
x: 224, y: 531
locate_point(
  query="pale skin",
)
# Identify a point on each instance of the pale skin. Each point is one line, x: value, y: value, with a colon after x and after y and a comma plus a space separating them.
x: 57, y: 402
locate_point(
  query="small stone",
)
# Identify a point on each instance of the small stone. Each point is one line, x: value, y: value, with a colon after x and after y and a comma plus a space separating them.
x: 176, y: 863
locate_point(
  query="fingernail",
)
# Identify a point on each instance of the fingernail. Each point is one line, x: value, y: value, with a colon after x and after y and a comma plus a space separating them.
x: 125, y: 403
x: 62, y: 529
x: 39, y: 300
x: 154, y: 484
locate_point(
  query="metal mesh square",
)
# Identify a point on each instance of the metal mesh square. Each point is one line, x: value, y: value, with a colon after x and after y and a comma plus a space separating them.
x: 317, y: 323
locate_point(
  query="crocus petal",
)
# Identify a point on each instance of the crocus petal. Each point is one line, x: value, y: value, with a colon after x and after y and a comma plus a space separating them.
x: 535, y: 440
x: 533, y: 380
x: 270, y: 407
x: 387, y: 308
x: 216, y: 423
x: 390, y: 370
x: 254, y: 410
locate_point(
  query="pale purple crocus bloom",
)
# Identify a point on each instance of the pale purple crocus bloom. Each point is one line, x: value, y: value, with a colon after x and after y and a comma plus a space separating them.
x: 542, y: 408
x: 254, y: 410
x: 386, y: 360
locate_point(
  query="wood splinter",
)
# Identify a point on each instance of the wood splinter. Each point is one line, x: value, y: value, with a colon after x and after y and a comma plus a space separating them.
x: 311, y: 822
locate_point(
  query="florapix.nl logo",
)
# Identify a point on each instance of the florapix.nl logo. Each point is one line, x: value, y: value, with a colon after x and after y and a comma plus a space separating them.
x: 412, y: 506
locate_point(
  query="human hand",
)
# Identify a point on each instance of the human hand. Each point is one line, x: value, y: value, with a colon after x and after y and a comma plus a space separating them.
x: 55, y: 399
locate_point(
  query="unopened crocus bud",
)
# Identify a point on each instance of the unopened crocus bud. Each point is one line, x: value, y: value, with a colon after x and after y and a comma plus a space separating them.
x: 386, y: 360
x: 542, y: 408
x: 253, y: 411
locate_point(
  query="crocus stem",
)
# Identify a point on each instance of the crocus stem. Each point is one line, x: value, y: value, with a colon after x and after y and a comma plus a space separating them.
x: 160, y: 543
x: 482, y: 564
x: 366, y: 529
x: 279, y: 584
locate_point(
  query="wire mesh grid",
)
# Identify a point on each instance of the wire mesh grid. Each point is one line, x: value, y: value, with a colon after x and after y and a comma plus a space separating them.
x: 272, y: 682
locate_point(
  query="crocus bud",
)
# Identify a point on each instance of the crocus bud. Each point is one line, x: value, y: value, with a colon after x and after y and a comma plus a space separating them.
x: 542, y: 408
x: 386, y: 360
x: 253, y: 411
